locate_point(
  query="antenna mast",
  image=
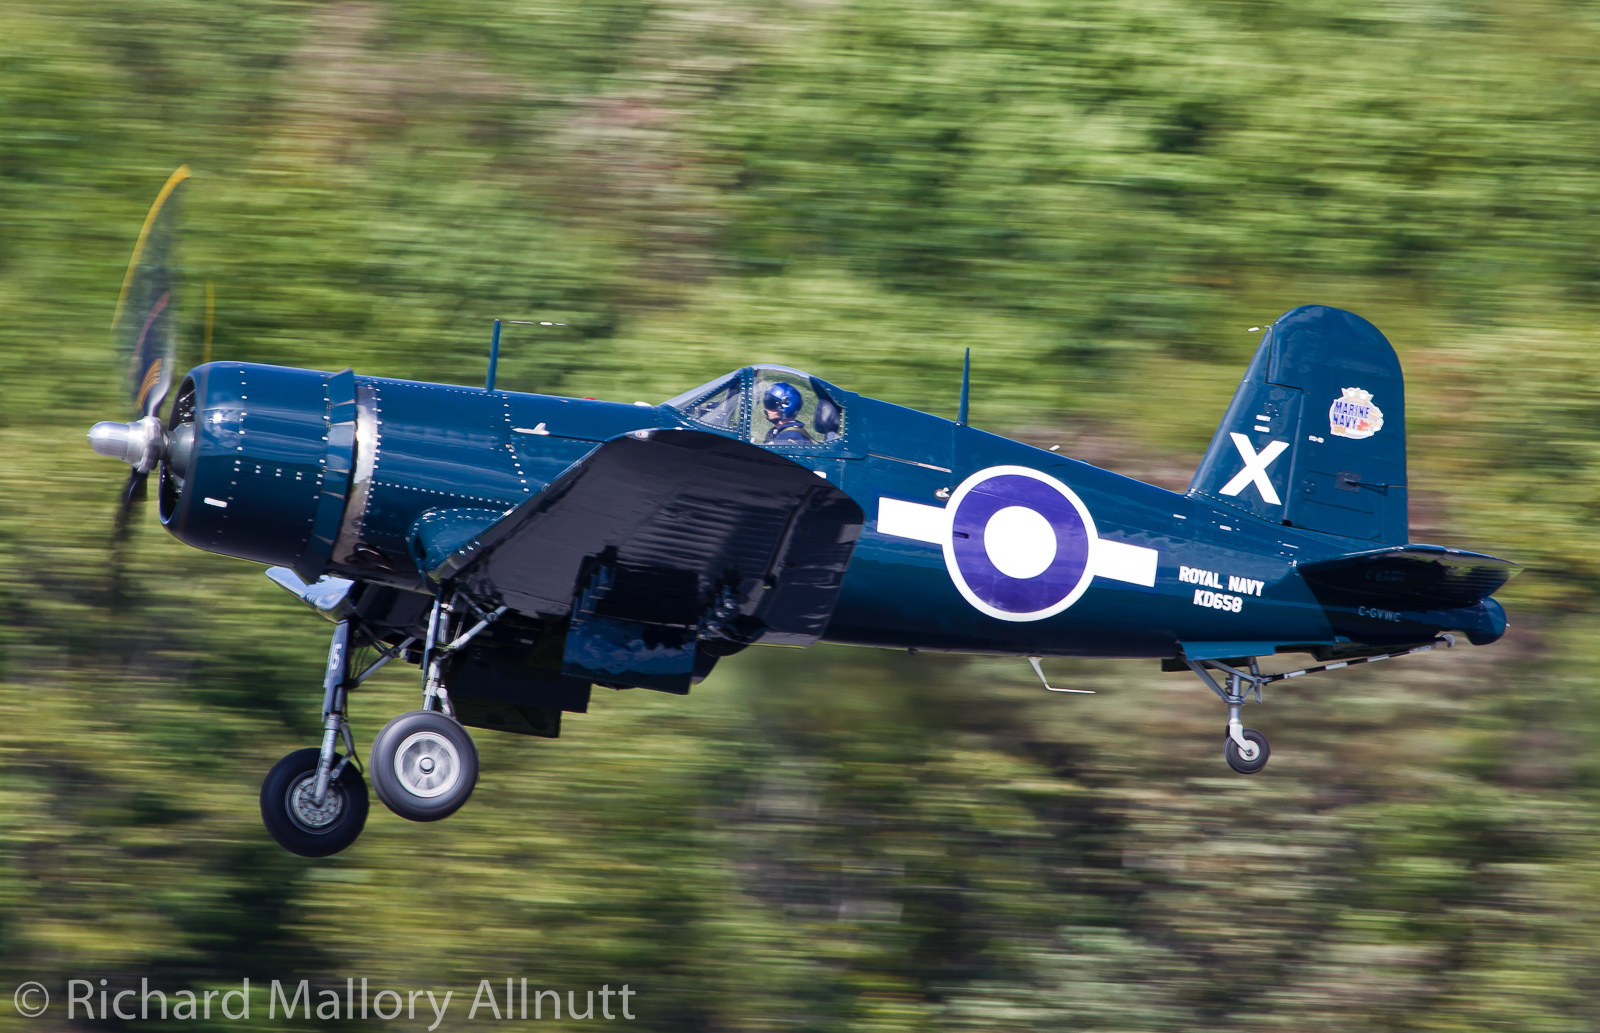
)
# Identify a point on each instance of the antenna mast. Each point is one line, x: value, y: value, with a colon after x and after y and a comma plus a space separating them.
x: 966, y: 388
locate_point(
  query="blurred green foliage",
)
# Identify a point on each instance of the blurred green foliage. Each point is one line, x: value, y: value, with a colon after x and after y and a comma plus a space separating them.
x: 1098, y: 198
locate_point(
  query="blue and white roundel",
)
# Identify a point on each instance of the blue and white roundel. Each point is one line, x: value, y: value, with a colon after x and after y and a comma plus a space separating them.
x: 1019, y: 544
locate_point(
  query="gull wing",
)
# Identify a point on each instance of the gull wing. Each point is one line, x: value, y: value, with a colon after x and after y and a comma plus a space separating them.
x: 673, y: 528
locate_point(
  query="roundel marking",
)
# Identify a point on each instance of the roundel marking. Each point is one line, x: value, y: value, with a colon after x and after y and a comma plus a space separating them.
x: 1019, y: 543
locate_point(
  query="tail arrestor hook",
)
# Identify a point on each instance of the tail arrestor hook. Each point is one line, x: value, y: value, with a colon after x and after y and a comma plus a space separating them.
x: 1034, y: 660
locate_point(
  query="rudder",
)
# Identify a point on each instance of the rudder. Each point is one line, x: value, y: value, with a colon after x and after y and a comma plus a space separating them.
x: 1315, y: 435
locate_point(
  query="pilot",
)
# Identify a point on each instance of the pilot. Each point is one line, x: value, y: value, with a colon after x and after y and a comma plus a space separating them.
x: 781, y: 402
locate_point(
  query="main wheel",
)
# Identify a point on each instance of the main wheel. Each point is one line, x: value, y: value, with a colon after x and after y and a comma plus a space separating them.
x: 1238, y: 761
x: 424, y: 765
x: 290, y: 812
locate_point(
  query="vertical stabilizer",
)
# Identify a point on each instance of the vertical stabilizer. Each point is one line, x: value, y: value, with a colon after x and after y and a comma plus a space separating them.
x: 1316, y: 434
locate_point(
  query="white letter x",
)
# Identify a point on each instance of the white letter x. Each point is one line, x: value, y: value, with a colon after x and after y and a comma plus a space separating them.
x: 1255, y: 468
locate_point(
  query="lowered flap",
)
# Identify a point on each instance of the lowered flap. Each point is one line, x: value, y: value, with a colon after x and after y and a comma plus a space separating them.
x: 1428, y: 577
x: 689, y: 528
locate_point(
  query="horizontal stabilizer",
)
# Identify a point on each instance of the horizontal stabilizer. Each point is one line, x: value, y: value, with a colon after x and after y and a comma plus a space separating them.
x: 1426, y: 577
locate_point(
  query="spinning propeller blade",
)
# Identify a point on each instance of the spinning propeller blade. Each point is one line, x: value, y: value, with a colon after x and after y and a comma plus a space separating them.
x: 145, y: 330
x: 145, y: 326
x: 133, y: 491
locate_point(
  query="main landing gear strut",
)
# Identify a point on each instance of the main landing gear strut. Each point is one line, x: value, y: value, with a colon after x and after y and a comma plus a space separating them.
x: 314, y: 801
x: 424, y: 765
x: 1245, y: 749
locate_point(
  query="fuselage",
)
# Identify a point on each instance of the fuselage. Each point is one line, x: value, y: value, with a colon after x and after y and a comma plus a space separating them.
x: 375, y: 479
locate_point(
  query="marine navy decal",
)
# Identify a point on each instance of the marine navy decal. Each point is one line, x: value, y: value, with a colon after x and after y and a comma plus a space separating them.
x: 1352, y: 415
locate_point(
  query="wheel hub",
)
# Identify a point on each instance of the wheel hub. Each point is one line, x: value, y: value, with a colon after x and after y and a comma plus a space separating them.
x: 302, y: 805
x: 427, y: 764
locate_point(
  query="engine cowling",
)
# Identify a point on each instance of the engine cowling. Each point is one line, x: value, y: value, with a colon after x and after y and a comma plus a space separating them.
x: 257, y: 462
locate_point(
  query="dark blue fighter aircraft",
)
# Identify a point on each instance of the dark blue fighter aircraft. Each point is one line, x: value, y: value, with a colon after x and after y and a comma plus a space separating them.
x: 522, y: 548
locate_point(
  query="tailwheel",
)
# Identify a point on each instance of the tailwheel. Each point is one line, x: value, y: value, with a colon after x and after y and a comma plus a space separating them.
x: 424, y: 765
x: 296, y: 820
x: 1250, y: 758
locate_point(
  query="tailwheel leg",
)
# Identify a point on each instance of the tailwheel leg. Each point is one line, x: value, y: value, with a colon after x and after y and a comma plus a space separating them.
x: 1245, y: 749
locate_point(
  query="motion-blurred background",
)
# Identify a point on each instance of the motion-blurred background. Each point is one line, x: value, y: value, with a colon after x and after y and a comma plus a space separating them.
x: 1097, y: 196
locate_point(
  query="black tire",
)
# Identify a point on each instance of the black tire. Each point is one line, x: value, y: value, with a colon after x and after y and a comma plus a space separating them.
x: 301, y: 828
x: 424, y: 765
x: 1230, y: 750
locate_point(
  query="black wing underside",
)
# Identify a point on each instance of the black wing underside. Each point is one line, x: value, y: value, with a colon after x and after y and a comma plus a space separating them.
x: 1425, y: 577
x: 665, y: 547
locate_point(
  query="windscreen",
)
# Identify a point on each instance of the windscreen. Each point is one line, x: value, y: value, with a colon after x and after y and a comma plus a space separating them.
x: 716, y: 403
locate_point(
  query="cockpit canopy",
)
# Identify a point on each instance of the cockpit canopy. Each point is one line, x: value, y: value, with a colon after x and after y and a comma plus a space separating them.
x: 774, y: 406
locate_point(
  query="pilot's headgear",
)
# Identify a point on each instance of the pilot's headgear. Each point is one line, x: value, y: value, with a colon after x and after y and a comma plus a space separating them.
x: 784, y: 399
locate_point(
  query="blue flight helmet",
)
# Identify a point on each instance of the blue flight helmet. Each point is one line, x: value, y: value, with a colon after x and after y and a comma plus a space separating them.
x: 783, y: 399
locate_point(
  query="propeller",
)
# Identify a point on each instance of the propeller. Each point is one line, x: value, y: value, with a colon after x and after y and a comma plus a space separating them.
x: 145, y: 329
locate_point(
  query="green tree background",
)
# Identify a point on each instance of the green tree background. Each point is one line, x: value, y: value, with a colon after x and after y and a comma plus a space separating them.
x: 1097, y: 197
